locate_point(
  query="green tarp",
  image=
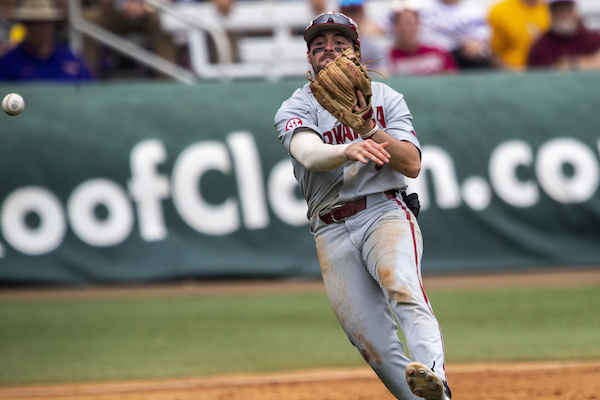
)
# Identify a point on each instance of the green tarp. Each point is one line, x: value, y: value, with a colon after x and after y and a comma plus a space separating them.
x: 158, y: 181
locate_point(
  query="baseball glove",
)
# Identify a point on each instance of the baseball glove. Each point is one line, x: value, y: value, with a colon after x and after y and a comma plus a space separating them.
x: 335, y: 90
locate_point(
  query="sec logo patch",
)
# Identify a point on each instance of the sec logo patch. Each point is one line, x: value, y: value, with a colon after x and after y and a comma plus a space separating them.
x: 292, y: 123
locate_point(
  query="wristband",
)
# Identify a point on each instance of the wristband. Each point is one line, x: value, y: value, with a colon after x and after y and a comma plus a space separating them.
x: 369, y: 134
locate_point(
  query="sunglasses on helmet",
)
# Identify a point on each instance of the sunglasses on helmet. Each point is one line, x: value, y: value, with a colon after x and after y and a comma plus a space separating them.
x: 332, y: 20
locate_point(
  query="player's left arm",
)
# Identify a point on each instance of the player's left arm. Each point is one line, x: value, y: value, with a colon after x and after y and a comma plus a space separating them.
x: 405, y: 157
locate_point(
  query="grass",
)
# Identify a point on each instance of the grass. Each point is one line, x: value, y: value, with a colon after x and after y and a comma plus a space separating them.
x: 120, y: 339
x: 150, y: 338
x: 520, y: 325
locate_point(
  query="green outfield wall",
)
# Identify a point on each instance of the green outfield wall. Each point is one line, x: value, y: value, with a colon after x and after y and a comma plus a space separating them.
x: 137, y: 182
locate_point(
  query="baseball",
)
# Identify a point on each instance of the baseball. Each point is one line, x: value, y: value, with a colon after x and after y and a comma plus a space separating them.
x: 13, y: 104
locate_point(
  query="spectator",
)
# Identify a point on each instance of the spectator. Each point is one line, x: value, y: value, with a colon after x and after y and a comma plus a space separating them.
x: 459, y: 27
x: 318, y: 6
x: 568, y: 44
x: 408, y: 56
x: 124, y: 17
x: 39, y: 56
x: 516, y: 24
x: 6, y: 9
x: 371, y: 32
x: 223, y: 7
x: 11, y: 33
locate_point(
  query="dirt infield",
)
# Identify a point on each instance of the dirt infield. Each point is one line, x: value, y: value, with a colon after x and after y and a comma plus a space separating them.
x: 531, y: 381
x: 545, y: 381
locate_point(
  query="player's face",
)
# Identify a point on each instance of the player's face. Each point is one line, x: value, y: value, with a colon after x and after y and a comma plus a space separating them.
x: 326, y: 47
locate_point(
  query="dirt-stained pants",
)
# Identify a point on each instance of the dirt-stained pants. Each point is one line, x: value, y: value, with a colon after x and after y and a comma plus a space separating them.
x: 371, y: 266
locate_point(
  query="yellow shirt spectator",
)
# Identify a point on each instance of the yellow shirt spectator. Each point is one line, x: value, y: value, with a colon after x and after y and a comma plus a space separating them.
x: 17, y: 33
x: 515, y: 25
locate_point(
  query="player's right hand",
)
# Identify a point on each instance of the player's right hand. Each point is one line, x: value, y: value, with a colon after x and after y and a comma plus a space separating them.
x: 368, y: 150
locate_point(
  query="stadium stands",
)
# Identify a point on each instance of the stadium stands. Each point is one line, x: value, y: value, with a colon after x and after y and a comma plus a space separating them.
x: 269, y: 40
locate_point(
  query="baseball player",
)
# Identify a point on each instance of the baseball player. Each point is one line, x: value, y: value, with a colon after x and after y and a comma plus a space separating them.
x: 368, y: 241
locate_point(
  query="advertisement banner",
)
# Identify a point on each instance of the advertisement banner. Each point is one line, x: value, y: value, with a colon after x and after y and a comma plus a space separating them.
x: 138, y: 182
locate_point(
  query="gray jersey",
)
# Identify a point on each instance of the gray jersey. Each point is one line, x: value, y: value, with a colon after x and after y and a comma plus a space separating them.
x: 323, y: 189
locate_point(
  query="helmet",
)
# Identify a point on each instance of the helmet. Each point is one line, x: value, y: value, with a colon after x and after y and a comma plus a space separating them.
x: 332, y: 20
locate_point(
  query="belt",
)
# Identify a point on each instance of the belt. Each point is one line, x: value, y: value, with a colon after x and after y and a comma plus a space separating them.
x: 340, y: 212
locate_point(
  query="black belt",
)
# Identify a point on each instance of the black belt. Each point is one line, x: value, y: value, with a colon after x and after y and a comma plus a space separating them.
x: 340, y: 212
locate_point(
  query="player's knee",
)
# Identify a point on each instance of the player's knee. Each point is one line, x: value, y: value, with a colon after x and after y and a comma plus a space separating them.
x: 402, y: 295
x: 368, y: 351
x: 372, y: 357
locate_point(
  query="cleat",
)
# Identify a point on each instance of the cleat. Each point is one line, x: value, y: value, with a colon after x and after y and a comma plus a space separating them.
x: 424, y: 383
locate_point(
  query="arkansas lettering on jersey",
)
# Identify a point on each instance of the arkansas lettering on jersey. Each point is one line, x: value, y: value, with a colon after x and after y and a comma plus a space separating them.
x: 342, y: 134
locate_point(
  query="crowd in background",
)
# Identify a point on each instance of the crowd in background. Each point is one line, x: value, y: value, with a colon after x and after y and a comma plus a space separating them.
x: 426, y: 37
x: 446, y: 36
